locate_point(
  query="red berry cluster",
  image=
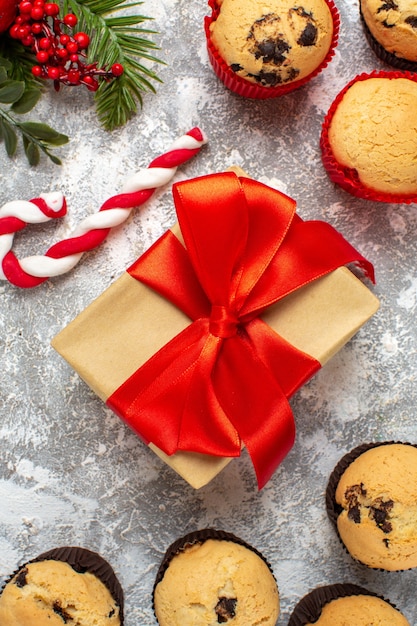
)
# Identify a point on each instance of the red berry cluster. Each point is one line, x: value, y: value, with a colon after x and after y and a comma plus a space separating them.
x: 60, y: 54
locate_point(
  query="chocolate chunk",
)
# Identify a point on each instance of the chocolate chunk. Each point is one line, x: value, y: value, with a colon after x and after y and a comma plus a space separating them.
x: 309, y: 36
x: 386, y: 24
x: 412, y: 20
x: 66, y: 617
x: 379, y: 512
x: 20, y: 580
x: 266, y: 40
x: 272, y: 51
x: 388, y: 5
x: 235, y: 67
x: 272, y: 79
x: 225, y: 609
x: 354, y: 514
x: 353, y: 495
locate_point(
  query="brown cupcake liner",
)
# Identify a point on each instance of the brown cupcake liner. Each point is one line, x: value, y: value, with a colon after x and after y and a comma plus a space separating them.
x: 82, y: 560
x: 199, y: 537
x: 309, y: 608
x: 347, y: 177
x: 389, y: 58
x: 247, y: 89
x: 332, y: 508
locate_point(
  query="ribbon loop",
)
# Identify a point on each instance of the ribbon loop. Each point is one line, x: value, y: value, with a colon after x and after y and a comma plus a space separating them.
x: 223, y: 323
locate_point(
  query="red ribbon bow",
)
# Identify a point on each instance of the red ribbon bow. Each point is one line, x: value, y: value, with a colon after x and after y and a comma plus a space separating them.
x: 226, y: 379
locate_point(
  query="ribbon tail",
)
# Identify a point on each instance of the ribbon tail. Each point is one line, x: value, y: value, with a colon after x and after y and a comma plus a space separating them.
x: 255, y: 395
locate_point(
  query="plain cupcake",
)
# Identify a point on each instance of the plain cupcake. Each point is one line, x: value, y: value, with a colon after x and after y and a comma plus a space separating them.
x: 369, y: 137
x: 212, y: 577
x: 264, y: 49
x: 371, y: 499
x: 391, y: 30
x: 67, y: 585
x: 345, y: 603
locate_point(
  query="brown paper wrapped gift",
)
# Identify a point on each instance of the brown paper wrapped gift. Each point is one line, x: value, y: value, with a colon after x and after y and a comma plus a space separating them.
x: 129, y: 323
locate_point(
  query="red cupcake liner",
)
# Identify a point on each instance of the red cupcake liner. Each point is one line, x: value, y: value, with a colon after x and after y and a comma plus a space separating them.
x: 309, y: 608
x: 347, y: 177
x: 247, y: 89
x: 400, y: 63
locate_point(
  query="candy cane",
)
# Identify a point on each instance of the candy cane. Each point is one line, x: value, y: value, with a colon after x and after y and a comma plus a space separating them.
x: 93, y: 230
x: 16, y: 215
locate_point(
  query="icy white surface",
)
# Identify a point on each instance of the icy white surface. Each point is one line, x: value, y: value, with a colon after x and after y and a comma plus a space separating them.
x: 70, y: 471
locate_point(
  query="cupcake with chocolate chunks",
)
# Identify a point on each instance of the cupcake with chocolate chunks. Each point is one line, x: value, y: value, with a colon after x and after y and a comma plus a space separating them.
x: 391, y: 30
x: 369, y: 137
x: 211, y: 577
x: 266, y: 48
x: 68, y: 585
x: 341, y: 604
x: 371, y: 499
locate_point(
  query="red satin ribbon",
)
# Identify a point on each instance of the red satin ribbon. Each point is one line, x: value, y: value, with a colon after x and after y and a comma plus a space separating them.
x: 226, y: 379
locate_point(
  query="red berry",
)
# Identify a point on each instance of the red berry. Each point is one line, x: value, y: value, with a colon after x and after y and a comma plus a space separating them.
x: 51, y: 9
x: 14, y: 31
x: 42, y: 56
x: 72, y: 47
x: 73, y: 58
x: 37, y: 13
x: 70, y: 20
x: 117, y: 69
x: 82, y: 39
x: 28, y: 41
x: 37, y: 71
x: 64, y: 39
x: 91, y: 83
x: 53, y: 72
x: 25, y: 6
x: 74, y: 77
x: 23, y: 31
x: 37, y: 28
x: 62, y: 53
x: 45, y: 43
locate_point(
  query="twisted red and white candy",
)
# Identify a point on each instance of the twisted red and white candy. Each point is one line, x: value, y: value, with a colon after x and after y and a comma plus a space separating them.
x: 15, y: 216
x: 91, y: 232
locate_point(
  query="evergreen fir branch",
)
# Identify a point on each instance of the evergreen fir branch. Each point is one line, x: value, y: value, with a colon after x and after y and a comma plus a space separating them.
x: 117, y: 39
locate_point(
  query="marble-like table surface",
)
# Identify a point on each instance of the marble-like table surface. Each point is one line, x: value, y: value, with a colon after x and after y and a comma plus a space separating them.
x: 70, y: 471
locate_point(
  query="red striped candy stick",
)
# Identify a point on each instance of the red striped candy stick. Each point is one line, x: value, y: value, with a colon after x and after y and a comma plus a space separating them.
x: 92, y: 231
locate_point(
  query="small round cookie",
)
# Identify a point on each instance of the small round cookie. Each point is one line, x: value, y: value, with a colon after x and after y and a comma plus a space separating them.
x: 369, y: 137
x: 212, y: 577
x: 269, y: 47
x: 391, y: 29
x: 64, y: 586
x: 341, y: 604
x: 371, y: 498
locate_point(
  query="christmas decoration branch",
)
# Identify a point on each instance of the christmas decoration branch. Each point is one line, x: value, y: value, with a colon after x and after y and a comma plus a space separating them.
x: 95, y: 43
x: 117, y: 39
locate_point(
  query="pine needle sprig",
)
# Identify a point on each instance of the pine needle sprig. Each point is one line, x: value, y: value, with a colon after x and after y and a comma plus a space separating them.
x: 117, y: 39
